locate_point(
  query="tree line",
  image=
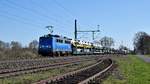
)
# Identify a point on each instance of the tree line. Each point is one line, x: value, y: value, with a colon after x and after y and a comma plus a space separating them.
x: 16, y: 45
x: 107, y: 43
x: 15, y: 50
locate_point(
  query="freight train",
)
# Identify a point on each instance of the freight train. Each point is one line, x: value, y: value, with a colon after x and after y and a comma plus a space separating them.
x: 55, y: 45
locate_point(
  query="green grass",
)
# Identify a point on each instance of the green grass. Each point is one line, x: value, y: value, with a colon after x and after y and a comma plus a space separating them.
x: 30, y: 78
x: 133, y: 71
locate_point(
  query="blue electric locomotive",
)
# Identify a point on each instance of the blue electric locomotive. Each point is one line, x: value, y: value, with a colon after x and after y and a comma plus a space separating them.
x: 54, y: 45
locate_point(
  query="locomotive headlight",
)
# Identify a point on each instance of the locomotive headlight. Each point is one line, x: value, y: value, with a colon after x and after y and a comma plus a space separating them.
x: 49, y: 46
x: 42, y: 46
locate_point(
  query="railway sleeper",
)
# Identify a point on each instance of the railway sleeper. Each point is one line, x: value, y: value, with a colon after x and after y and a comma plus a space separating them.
x: 81, y: 76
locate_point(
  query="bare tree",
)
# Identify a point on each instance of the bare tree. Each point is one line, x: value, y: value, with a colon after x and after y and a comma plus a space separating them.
x: 33, y: 44
x: 97, y: 43
x: 141, y: 42
x: 122, y: 47
x: 7, y: 45
x: 107, y: 42
x: 2, y: 45
x: 15, y: 45
x: 146, y: 44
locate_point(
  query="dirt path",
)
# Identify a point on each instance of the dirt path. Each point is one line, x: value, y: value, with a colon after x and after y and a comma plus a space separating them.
x: 146, y: 59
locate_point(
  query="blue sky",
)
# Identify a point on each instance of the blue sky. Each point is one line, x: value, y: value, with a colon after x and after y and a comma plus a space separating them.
x: 25, y: 20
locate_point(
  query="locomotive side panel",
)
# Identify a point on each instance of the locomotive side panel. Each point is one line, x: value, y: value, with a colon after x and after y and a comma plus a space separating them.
x: 61, y: 46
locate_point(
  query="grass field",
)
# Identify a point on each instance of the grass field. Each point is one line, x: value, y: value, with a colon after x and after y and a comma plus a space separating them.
x: 131, y: 70
x: 31, y: 78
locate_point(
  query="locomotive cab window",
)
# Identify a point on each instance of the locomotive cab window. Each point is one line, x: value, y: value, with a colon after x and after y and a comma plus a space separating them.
x: 67, y: 42
x: 59, y: 40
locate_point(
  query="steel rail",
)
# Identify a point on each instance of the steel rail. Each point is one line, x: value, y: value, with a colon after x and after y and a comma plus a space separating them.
x: 64, y: 75
x: 107, y: 64
x: 4, y: 75
x: 96, y: 75
x: 32, y: 67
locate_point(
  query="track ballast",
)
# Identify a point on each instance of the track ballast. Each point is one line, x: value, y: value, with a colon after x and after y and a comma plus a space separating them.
x: 82, y: 76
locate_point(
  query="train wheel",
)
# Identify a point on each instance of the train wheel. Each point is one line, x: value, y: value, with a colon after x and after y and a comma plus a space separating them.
x: 56, y: 54
x: 67, y: 53
x: 59, y: 54
x: 51, y: 54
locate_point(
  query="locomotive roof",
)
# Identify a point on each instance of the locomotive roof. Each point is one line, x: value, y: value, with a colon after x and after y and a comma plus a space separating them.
x: 57, y: 36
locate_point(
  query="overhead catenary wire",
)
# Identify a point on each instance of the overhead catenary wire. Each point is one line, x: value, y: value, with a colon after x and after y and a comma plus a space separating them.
x: 18, y: 6
x: 61, y: 6
x: 12, y: 7
x: 68, y: 11
x: 30, y: 11
x: 19, y: 17
x: 20, y: 21
x: 34, y: 11
x: 45, y: 9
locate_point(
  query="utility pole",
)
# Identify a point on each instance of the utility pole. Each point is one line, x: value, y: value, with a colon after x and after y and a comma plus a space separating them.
x: 75, y: 32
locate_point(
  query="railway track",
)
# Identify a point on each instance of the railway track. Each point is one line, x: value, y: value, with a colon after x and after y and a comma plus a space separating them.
x: 18, y: 65
x: 30, y: 65
x: 8, y: 72
x: 11, y: 64
x: 82, y: 76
